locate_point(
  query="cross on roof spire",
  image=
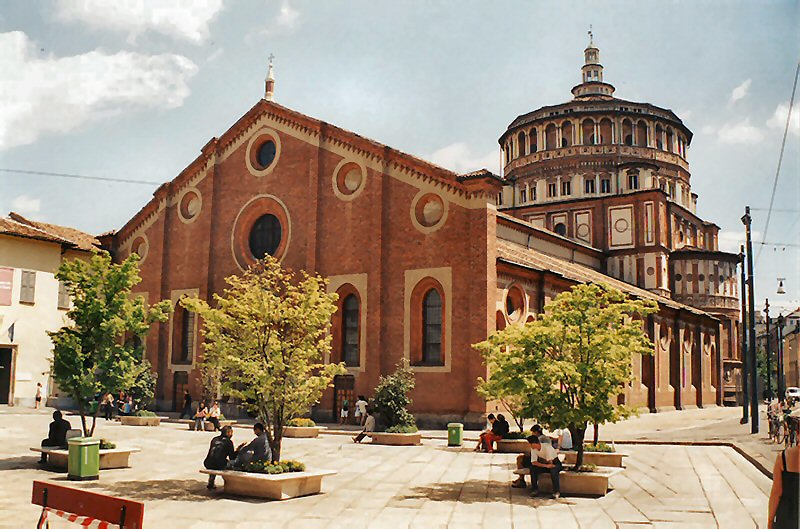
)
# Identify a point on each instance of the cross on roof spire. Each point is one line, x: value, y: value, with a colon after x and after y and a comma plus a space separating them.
x: 591, y: 36
x: 269, y: 89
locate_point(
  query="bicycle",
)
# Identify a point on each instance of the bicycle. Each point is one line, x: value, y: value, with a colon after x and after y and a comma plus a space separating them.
x: 777, y: 428
x: 790, y: 439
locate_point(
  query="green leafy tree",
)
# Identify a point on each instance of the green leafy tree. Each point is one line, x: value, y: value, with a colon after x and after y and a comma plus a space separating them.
x: 91, y: 355
x: 269, y: 335
x: 567, y: 366
x: 392, y: 400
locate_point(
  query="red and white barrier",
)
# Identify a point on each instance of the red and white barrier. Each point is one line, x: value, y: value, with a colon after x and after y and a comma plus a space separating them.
x: 82, y: 521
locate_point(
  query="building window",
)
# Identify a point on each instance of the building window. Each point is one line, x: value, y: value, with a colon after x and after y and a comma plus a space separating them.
x: 63, y: 295
x: 533, y: 194
x: 552, y: 190
x: 605, y: 185
x: 523, y: 196
x: 187, y: 336
x: 560, y: 229
x: 266, y: 154
x: 633, y: 181
x: 588, y: 187
x: 566, y: 188
x: 432, y: 328
x: 265, y: 236
x: 27, y: 291
x: 350, y: 333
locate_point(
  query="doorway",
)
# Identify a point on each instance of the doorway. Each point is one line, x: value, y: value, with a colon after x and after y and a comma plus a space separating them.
x: 180, y: 383
x: 6, y: 374
x: 343, y: 389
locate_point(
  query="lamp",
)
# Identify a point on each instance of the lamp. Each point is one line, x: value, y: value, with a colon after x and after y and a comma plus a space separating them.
x: 781, y: 290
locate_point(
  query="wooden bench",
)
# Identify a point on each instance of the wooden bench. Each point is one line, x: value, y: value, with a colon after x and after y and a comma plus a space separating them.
x: 271, y: 486
x: 593, y: 483
x: 208, y: 426
x: 109, y: 458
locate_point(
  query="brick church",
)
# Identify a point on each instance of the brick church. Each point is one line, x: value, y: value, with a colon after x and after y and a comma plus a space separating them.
x: 427, y: 262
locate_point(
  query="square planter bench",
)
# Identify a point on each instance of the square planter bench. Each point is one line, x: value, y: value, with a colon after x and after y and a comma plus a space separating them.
x: 208, y: 427
x: 513, y: 446
x: 593, y: 483
x: 271, y: 486
x: 600, y: 459
x: 302, y: 432
x: 109, y: 458
x: 133, y: 420
x: 396, y: 439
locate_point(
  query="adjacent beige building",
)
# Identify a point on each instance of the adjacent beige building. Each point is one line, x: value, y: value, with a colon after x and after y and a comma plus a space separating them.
x: 32, y: 301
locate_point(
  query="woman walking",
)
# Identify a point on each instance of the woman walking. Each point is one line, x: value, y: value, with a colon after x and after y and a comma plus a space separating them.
x: 784, y: 500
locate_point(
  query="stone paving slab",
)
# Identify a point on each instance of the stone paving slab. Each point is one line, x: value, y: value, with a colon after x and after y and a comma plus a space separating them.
x: 381, y: 486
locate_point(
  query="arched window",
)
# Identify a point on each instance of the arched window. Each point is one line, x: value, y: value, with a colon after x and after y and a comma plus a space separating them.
x: 588, y: 132
x: 670, y: 140
x: 659, y: 137
x: 183, y: 347
x: 605, y: 131
x: 432, y: 328
x: 641, y: 133
x: 566, y: 134
x: 523, y: 147
x: 627, y: 132
x: 350, y: 332
x: 560, y: 229
x: 532, y: 138
x: 550, y: 137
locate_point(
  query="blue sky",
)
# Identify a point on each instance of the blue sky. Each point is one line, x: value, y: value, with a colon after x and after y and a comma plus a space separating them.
x: 134, y: 89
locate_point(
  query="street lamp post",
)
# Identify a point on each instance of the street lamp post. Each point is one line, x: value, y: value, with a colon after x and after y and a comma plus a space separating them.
x: 745, y: 395
x: 769, y: 352
x: 751, y: 322
x: 781, y: 386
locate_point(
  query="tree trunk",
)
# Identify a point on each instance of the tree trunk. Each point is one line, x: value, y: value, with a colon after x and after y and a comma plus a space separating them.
x: 276, y: 446
x: 578, y: 435
x: 83, y: 418
x: 94, y: 419
x: 596, y: 433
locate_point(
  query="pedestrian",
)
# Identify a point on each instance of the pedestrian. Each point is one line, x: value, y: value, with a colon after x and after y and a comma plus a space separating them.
x: 544, y: 459
x: 121, y: 403
x: 187, y: 404
x: 213, y: 415
x: 220, y: 453
x: 38, y: 399
x: 784, y: 499
x: 200, y: 417
x: 369, y: 426
x: 361, y: 410
x: 345, y: 412
x: 257, y: 450
x: 108, y: 406
x: 56, y: 435
x: 565, y: 439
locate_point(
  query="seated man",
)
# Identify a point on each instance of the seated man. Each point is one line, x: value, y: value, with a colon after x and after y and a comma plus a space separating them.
x: 57, y: 436
x: 524, y: 459
x: 257, y: 450
x: 490, y: 419
x: 369, y: 426
x: 544, y: 458
x: 220, y: 453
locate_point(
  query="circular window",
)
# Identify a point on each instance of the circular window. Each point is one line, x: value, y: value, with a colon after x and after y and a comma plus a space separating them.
x: 583, y: 230
x: 266, y: 154
x: 721, y: 279
x: 689, y: 277
x: 348, y: 180
x: 702, y: 277
x: 428, y: 212
x: 650, y: 270
x: 515, y: 303
x: 265, y: 236
x: 140, y: 247
x: 560, y: 229
x: 678, y: 277
x: 621, y: 225
x: 189, y: 205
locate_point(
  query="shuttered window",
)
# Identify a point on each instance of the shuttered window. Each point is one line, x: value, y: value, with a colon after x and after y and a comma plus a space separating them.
x: 27, y: 289
x: 63, y: 295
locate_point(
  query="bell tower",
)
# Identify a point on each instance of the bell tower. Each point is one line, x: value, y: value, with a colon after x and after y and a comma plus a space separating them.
x: 592, y: 74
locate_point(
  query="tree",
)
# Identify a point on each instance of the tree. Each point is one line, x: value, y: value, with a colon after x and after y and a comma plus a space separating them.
x: 392, y: 400
x: 567, y: 366
x: 269, y: 335
x: 91, y: 355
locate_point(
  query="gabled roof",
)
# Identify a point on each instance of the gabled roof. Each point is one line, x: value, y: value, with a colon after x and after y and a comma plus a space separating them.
x: 18, y: 226
x: 529, y: 258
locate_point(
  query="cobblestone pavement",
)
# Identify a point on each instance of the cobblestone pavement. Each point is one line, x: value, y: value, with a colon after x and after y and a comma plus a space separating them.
x: 394, y: 487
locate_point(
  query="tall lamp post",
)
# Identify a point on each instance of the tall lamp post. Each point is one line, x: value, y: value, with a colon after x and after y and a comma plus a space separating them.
x: 751, y: 322
x: 745, y: 395
x: 769, y: 352
x: 781, y: 386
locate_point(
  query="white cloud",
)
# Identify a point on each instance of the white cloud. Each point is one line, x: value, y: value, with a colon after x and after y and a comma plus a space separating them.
x: 216, y: 54
x: 731, y: 240
x: 778, y: 119
x: 59, y: 94
x: 26, y: 204
x: 286, y: 21
x: 740, y: 132
x: 740, y: 92
x: 458, y: 157
x: 180, y: 19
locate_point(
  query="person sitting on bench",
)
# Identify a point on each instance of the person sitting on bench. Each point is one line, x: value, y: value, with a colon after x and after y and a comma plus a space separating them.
x: 257, y: 450
x: 544, y: 458
x: 369, y: 426
x: 220, y: 453
x: 57, y: 436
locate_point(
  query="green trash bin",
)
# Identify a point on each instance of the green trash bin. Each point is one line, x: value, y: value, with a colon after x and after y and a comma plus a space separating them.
x: 84, y: 458
x: 455, y: 433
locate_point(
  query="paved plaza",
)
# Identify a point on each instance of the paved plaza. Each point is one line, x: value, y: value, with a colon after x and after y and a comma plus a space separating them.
x: 376, y: 486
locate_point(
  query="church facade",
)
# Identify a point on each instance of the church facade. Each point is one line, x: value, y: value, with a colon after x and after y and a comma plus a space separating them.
x: 427, y: 262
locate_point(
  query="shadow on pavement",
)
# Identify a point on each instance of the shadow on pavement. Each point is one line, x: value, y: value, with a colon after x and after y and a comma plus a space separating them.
x: 472, y: 491
x: 166, y: 489
x: 27, y: 463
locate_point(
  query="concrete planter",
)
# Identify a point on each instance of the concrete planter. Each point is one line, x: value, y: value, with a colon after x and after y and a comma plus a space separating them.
x: 111, y: 458
x: 513, y: 446
x: 301, y: 432
x: 600, y: 459
x: 132, y: 420
x: 208, y: 426
x: 593, y: 483
x: 271, y: 486
x: 396, y: 439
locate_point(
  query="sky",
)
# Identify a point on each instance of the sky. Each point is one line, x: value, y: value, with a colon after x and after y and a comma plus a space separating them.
x: 133, y: 89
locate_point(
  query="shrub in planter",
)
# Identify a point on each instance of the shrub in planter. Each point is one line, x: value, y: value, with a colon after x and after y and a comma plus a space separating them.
x: 517, y: 435
x: 279, y: 467
x: 301, y: 422
x: 391, y: 399
x: 599, y: 447
x: 144, y: 413
x: 105, y: 444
